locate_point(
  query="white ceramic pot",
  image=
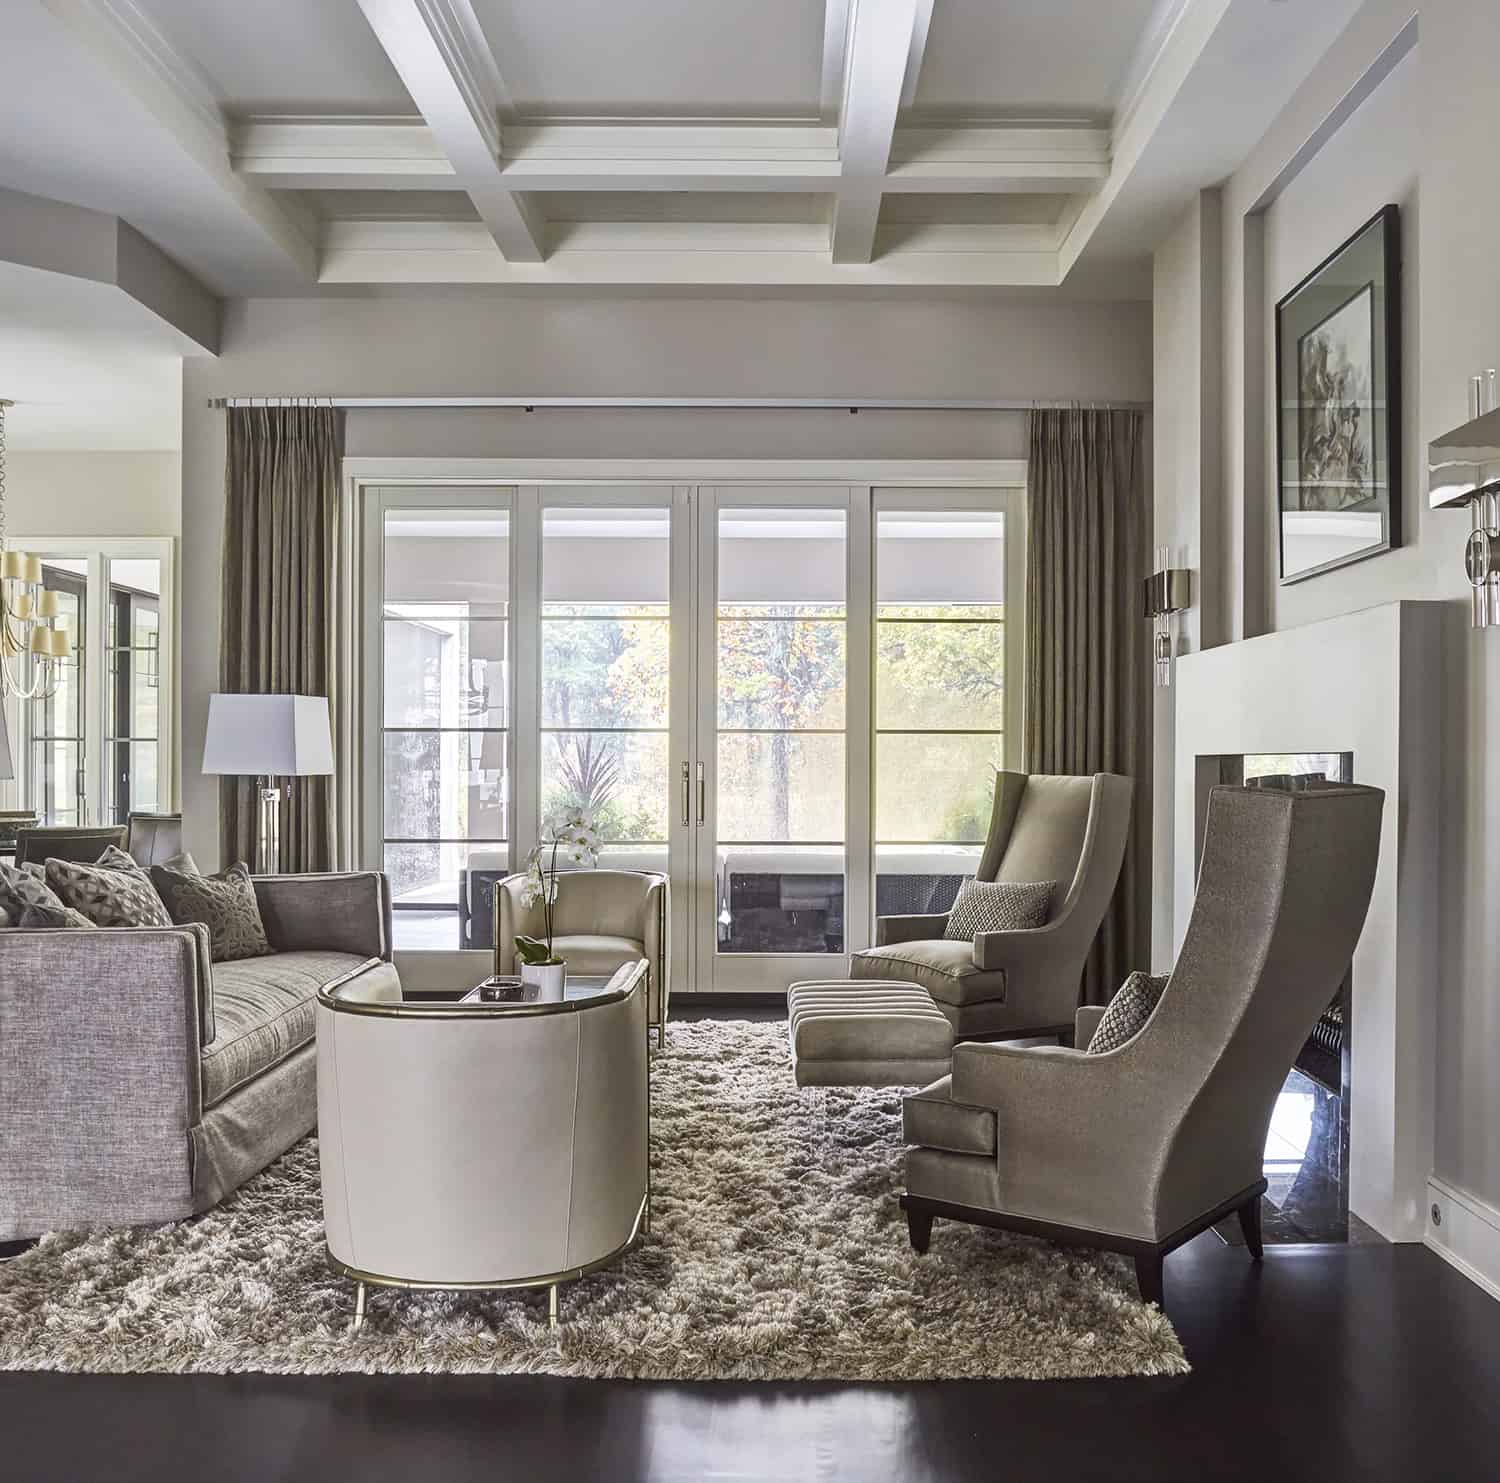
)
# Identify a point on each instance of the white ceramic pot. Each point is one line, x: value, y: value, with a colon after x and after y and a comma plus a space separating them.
x: 549, y: 979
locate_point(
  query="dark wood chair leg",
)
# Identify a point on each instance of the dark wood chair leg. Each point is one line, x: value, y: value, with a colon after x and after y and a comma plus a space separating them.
x: 919, y: 1228
x: 1148, y: 1278
x: 1249, y: 1214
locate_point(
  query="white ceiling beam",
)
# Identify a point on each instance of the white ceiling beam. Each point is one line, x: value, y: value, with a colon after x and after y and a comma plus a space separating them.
x: 140, y: 59
x: 704, y: 255
x: 383, y: 153
x: 835, y: 52
x: 440, y: 53
x: 882, y: 38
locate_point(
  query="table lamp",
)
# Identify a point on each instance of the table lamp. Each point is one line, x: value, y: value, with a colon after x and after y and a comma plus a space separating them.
x: 268, y: 737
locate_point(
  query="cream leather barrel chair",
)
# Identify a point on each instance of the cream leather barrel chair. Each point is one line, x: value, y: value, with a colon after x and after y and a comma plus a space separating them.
x: 601, y: 919
x: 482, y: 1145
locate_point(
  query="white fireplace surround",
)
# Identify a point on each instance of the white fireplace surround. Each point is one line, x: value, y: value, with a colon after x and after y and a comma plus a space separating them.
x: 1367, y: 683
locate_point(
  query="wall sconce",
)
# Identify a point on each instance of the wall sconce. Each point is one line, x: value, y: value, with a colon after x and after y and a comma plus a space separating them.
x: 1168, y: 590
x: 1463, y: 468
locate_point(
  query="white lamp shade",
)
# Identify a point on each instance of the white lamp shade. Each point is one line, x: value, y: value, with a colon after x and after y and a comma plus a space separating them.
x: 268, y: 735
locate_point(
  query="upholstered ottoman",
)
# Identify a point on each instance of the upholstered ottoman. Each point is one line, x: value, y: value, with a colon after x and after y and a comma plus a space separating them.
x: 847, y: 1033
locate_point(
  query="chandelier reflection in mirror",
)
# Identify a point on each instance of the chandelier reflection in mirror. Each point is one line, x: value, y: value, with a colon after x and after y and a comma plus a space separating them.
x: 33, y: 640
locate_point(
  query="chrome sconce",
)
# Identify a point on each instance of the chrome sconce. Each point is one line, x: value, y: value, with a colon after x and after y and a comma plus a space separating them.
x: 1463, y: 468
x: 1168, y: 590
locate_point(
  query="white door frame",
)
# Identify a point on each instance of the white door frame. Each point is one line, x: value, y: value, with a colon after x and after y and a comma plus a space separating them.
x: 530, y: 478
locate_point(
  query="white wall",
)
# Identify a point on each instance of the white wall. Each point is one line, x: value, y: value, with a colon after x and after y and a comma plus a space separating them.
x: 1423, y: 138
x: 94, y: 494
x: 1185, y: 468
x: 477, y: 343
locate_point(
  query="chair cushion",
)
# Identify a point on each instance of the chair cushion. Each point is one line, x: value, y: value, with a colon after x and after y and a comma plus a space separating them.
x: 945, y: 969
x: 998, y: 906
x: 263, y: 1011
x: 1126, y: 1014
x: 1046, y: 839
x: 933, y: 1119
x: 597, y: 952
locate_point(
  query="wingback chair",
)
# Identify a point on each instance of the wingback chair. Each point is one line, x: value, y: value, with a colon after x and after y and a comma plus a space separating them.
x: 153, y: 839
x: 1140, y: 1148
x: 602, y: 919
x: 1066, y: 829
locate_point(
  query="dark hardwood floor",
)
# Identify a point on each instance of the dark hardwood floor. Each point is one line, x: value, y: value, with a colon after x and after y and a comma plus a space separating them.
x: 1329, y: 1363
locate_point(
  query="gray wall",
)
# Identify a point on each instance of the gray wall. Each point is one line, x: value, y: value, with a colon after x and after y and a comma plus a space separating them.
x: 484, y: 344
x: 94, y: 494
x: 1423, y: 139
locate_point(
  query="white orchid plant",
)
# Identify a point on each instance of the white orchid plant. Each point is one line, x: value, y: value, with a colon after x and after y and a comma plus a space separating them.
x: 573, y: 838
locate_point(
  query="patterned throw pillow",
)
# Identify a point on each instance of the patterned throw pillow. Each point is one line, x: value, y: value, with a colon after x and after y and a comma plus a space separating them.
x: 20, y: 887
x: 107, y: 893
x: 1128, y: 1012
x: 54, y: 916
x: 998, y: 906
x: 224, y: 903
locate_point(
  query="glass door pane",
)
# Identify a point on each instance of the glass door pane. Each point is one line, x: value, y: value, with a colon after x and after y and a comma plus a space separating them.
x: 445, y: 788
x: 606, y: 676
x: 132, y: 707
x: 56, y: 788
x: 940, y: 644
x: 776, y: 739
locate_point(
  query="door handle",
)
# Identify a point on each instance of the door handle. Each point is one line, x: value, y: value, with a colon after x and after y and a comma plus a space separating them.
x: 702, y: 794
x: 687, y: 797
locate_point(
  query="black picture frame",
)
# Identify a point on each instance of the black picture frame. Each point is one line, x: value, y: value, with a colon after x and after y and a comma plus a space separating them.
x: 1339, y: 406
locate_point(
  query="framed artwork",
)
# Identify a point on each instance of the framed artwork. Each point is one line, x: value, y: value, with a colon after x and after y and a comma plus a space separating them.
x: 1338, y: 399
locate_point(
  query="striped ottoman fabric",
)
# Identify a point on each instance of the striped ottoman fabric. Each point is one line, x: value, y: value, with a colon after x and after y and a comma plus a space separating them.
x: 847, y: 1032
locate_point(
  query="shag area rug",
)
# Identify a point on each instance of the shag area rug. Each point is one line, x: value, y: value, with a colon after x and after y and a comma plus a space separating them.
x: 777, y: 1252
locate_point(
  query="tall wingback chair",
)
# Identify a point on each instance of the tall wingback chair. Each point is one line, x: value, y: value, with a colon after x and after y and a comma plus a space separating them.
x: 1070, y: 830
x: 1140, y: 1148
x: 602, y: 920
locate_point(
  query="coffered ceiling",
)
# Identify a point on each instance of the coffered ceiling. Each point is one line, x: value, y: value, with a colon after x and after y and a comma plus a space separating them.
x: 899, y: 145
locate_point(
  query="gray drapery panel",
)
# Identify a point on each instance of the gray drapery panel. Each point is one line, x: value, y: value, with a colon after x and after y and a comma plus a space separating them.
x: 1087, y: 701
x: 281, y: 486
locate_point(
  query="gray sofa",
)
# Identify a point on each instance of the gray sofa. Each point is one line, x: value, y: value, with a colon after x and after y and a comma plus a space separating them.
x: 139, y: 1083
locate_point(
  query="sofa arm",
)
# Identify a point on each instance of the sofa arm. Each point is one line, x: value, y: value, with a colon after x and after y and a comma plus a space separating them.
x: 99, y: 1075
x: 338, y: 913
x: 919, y: 928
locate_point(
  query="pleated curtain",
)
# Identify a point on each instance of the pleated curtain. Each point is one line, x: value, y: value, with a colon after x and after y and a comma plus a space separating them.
x: 1087, y: 679
x: 276, y: 633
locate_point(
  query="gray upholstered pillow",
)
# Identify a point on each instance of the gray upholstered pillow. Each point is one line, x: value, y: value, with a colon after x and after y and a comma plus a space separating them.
x: 107, y: 893
x: 20, y: 887
x: 1128, y: 1012
x: 37, y: 915
x: 998, y: 906
x: 224, y: 903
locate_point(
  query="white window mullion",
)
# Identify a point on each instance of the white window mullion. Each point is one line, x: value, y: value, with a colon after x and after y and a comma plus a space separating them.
x: 859, y: 905
x: 526, y: 672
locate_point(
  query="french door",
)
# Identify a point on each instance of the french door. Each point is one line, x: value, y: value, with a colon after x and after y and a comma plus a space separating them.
x: 789, y: 698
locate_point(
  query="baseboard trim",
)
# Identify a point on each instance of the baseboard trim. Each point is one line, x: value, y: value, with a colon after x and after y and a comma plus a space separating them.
x: 1468, y: 1235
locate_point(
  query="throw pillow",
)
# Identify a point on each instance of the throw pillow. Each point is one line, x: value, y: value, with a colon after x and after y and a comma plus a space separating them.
x: 114, y: 858
x: 20, y: 887
x: 108, y: 895
x: 998, y: 906
x: 224, y: 903
x: 1128, y: 1012
x: 53, y: 916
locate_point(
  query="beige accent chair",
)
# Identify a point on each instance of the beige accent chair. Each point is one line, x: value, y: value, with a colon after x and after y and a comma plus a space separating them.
x: 1066, y: 829
x: 1140, y: 1148
x: 602, y: 920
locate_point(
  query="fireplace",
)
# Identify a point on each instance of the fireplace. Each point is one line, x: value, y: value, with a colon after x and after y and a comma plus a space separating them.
x: 1357, y: 696
x: 1307, y: 1148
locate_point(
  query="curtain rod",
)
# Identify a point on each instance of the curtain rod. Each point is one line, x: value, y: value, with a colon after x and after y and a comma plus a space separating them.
x: 706, y: 404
